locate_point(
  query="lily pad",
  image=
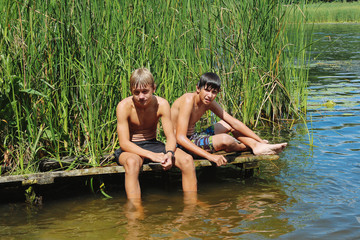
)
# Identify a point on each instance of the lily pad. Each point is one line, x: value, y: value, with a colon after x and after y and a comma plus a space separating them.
x: 329, y: 104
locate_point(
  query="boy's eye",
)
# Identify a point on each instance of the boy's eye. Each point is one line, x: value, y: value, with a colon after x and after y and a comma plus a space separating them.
x: 137, y: 92
x: 213, y: 91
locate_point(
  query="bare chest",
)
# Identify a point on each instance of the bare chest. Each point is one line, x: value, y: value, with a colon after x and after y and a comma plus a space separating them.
x: 143, y: 120
x: 196, y: 114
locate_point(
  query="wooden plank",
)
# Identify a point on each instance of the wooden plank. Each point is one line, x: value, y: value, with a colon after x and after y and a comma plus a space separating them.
x: 246, y: 160
x: 237, y: 158
x: 48, y: 177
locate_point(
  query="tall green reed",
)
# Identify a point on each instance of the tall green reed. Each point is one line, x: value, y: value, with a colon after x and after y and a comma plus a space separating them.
x: 65, y: 65
x: 334, y: 12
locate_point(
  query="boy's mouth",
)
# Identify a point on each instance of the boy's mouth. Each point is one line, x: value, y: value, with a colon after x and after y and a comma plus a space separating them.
x: 142, y: 101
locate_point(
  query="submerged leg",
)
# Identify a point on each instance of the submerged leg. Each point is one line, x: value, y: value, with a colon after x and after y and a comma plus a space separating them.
x: 132, y: 164
x: 134, y: 210
x: 185, y: 163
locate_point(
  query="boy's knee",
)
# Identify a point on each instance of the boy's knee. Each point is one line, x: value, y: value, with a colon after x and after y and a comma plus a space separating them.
x: 226, y: 140
x: 222, y: 127
x: 187, y: 162
x: 133, y: 164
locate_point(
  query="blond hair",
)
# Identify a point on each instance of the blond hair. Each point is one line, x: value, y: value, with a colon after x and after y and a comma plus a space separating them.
x: 141, y: 77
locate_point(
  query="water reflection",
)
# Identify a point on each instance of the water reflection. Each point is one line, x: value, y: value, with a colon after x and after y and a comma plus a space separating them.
x: 226, y: 207
x: 223, y: 212
x: 339, y: 42
x: 327, y: 207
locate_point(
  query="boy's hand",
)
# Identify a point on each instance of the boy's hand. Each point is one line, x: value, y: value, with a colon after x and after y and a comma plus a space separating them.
x: 164, y: 159
x: 157, y: 157
x: 167, y: 163
x: 218, y: 159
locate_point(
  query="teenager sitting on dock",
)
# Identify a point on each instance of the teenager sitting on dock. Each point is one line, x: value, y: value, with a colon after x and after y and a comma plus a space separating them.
x: 190, y: 107
x: 137, y: 120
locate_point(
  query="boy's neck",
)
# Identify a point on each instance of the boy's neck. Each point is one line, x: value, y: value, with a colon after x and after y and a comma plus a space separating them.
x: 198, y: 101
x: 140, y: 107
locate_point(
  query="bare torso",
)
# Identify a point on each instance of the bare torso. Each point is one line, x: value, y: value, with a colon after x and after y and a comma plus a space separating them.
x: 196, y: 113
x: 142, y: 121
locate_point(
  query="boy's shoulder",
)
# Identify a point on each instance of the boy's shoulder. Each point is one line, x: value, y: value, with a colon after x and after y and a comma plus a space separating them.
x: 184, y: 99
x: 160, y: 103
x: 187, y: 97
x: 126, y: 102
x: 161, y: 100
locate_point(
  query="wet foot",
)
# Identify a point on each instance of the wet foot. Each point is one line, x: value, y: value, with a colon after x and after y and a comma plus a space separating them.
x: 268, y: 149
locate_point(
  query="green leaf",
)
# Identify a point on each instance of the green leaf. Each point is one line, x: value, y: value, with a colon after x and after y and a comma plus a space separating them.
x: 34, y: 92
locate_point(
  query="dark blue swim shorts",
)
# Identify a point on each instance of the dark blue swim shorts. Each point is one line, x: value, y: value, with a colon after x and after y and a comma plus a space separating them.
x: 152, y: 145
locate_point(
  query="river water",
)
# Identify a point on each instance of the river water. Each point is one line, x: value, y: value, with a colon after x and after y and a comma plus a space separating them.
x: 312, y: 192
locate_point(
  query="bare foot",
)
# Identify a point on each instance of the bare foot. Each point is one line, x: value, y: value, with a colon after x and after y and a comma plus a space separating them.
x: 268, y: 149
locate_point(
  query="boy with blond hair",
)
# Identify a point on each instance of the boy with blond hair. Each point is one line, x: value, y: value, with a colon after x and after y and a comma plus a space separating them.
x: 137, y: 120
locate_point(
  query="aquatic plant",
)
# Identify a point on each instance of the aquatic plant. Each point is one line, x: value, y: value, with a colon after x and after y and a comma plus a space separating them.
x: 64, y: 66
x: 332, y: 12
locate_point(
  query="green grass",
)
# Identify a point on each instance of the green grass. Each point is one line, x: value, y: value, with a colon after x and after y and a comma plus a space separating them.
x: 347, y: 12
x: 64, y: 66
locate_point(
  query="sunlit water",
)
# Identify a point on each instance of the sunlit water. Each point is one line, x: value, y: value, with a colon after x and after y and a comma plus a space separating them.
x: 312, y: 192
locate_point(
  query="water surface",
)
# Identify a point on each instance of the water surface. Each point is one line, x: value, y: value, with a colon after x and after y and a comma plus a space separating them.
x: 311, y: 192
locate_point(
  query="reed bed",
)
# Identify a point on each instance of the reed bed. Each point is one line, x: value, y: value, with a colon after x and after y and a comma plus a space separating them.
x: 64, y: 66
x: 346, y: 12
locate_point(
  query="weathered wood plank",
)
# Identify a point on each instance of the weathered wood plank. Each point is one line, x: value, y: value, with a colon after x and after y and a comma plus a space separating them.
x: 236, y: 158
x: 246, y: 160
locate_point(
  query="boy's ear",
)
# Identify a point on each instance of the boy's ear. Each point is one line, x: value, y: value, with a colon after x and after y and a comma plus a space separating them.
x: 197, y: 89
x: 154, y: 88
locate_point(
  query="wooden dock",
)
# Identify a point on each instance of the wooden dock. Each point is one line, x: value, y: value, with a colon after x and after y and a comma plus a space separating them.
x: 244, y: 160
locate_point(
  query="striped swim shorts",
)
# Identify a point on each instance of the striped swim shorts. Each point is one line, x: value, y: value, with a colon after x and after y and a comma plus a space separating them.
x: 203, y: 139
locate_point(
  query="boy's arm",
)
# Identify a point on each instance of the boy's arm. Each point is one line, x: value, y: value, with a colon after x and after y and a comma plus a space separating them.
x: 233, y: 122
x: 167, y: 125
x: 181, y: 130
x: 122, y: 115
x: 168, y: 131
